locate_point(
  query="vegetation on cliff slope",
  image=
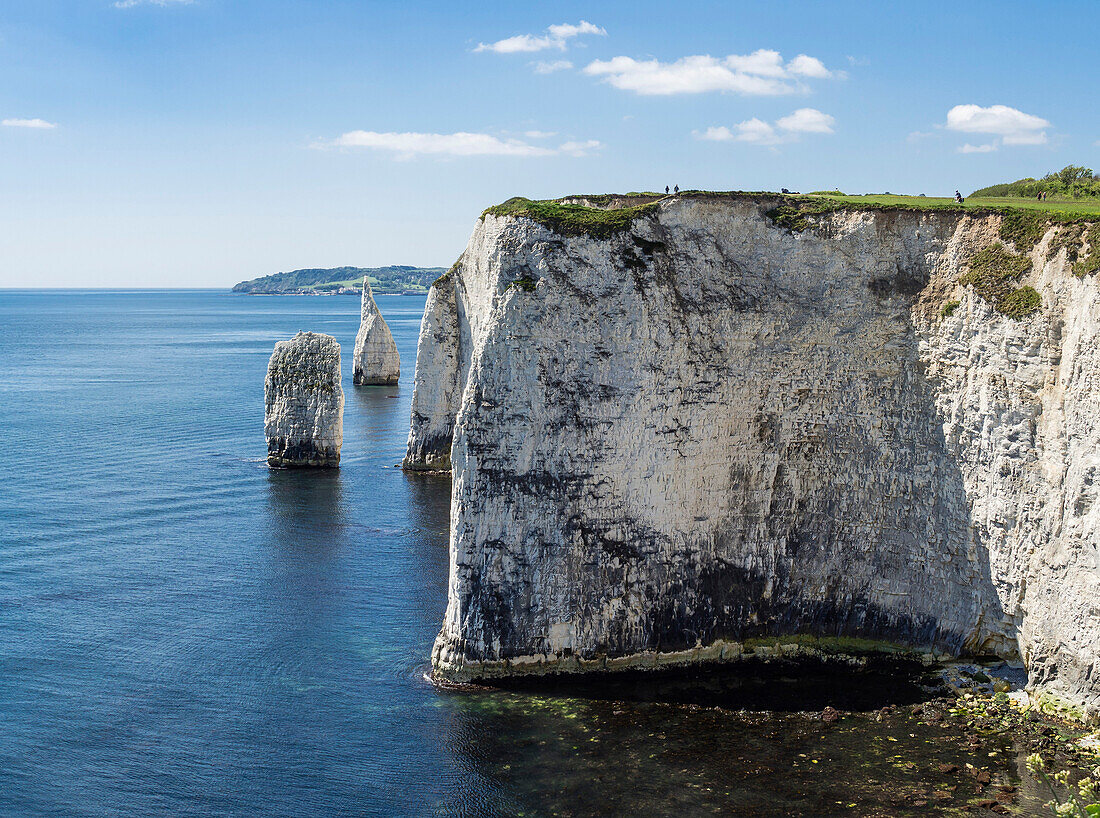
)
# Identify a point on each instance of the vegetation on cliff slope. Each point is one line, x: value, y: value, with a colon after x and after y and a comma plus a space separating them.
x: 991, y: 272
x: 572, y: 219
x: 1090, y: 264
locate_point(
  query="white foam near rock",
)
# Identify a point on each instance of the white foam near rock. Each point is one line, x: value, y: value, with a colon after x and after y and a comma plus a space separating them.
x: 304, y: 402
x: 706, y: 430
x: 376, y: 361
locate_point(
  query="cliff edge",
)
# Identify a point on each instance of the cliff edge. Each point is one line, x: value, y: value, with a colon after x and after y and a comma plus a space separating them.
x: 681, y: 430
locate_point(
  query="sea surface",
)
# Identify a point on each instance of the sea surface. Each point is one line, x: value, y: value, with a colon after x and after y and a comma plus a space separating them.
x: 185, y: 632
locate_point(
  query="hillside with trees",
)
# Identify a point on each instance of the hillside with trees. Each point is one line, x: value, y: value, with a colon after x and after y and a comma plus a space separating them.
x: 1071, y: 182
x: 394, y: 279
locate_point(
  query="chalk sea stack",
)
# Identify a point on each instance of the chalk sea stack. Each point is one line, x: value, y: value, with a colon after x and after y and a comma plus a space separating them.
x: 376, y: 362
x: 304, y: 403
x: 731, y: 425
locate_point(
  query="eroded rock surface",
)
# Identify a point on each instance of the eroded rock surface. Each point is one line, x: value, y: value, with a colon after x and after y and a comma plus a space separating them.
x: 708, y: 433
x: 304, y: 402
x: 376, y: 362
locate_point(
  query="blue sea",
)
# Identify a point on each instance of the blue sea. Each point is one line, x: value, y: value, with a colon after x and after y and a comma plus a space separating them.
x: 185, y: 632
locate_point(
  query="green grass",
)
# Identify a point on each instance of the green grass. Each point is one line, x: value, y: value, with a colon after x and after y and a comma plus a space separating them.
x: 949, y: 309
x: 573, y: 220
x: 1025, y: 221
x: 1061, y: 206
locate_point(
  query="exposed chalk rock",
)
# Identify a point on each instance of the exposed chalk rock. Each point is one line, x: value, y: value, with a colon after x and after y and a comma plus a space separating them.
x: 705, y: 431
x: 437, y: 387
x: 376, y: 361
x: 304, y: 402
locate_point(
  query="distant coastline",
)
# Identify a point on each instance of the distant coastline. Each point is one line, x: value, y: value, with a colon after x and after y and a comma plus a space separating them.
x: 392, y: 280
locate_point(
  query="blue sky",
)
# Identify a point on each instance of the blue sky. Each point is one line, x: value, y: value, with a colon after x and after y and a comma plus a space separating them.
x: 176, y: 143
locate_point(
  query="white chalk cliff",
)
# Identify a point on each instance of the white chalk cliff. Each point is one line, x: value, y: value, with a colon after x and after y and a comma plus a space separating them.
x: 376, y: 361
x: 304, y: 402
x: 700, y: 429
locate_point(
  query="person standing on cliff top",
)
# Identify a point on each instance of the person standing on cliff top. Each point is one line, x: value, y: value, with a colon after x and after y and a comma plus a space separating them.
x: 666, y: 190
x: 676, y: 189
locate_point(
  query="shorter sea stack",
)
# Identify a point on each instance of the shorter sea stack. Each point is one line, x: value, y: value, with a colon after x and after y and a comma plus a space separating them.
x: 376, y: 360
x: 304, y: 403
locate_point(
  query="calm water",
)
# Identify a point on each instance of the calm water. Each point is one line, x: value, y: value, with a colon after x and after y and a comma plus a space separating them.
x: 185, y: 632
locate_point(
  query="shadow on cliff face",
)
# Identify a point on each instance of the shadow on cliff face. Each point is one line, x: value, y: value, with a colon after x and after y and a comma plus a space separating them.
x: 806, y: 684
x: 846, y: 514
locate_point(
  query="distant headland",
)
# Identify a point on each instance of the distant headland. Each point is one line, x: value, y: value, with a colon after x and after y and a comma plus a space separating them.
x: 392, y: 280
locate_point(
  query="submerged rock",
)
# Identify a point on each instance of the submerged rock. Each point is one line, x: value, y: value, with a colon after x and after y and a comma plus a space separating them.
x: 719, y: 429
x: 376, y: 362
x: 304, y: 402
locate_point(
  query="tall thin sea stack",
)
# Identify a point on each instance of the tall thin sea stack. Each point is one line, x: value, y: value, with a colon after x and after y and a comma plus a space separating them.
x: 304, y: 403
x: 376, y: 360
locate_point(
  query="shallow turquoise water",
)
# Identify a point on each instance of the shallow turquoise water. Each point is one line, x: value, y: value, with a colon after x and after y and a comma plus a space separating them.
x: 185, y: 632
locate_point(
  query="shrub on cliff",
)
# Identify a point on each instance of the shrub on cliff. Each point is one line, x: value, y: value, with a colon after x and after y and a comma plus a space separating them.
x: 1019, y: 303
x: 991, y: 272
x: 1090, y: 264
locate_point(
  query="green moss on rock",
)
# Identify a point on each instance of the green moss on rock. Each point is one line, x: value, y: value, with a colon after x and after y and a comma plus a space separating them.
x: 949, y: 309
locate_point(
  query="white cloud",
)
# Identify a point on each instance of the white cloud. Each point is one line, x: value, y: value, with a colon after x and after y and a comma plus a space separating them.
x: 1013, y: 126
x: 986, y: 148
x: 410, y: 145
x: 716, y: 134
x: 555, y: 37
x: 762, y: 63
x: 761, y: 73
x: 804, y: 66
x: 550, y: 67
x: 758, y: 132
x: 807, y: 120
x: 754, y: 130
x: 1026, y: 138
x: 580, y: 148
x: 539, y: 134
x: 129, y: 4
x: 28, y: 123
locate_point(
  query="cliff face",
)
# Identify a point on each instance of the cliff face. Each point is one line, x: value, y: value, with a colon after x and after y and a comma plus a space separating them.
x: 304, y: 402
x: 708, y: 429
x: 376, y: 361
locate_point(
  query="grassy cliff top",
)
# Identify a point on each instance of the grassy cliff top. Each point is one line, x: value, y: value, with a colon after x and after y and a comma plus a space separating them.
x: 566, y: 217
